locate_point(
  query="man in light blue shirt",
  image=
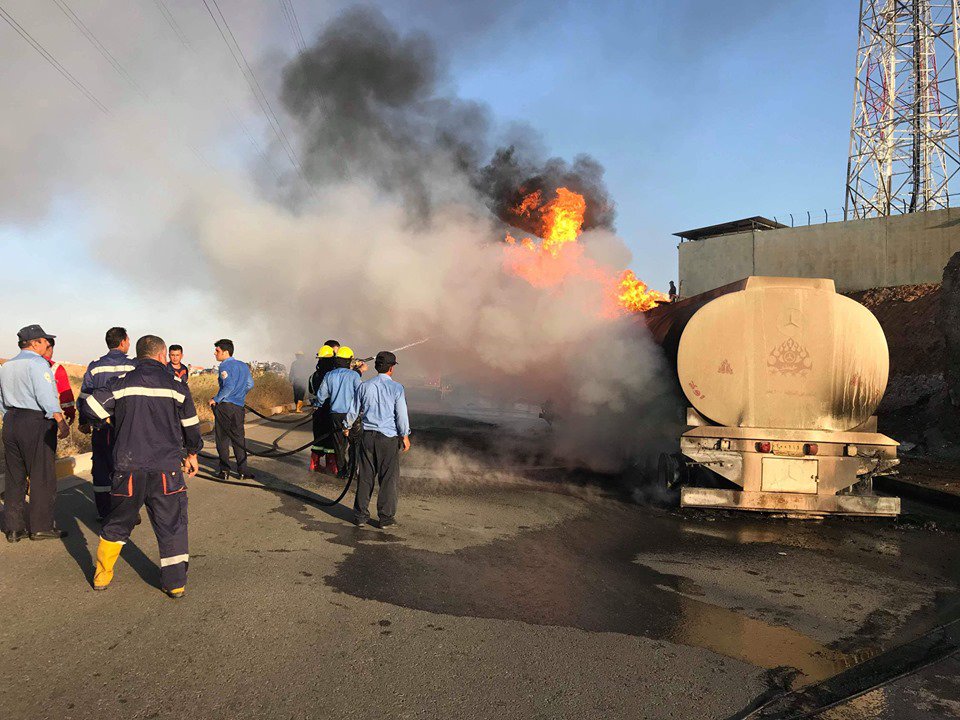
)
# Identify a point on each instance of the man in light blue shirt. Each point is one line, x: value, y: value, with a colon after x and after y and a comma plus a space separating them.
x: 235, y: 382
x: 339, y: 386
x: 31, y: 417
x: 386, y: 429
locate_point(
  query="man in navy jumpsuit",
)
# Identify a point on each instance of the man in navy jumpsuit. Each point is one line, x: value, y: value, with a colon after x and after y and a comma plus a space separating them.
x: 157, y: 441
x: 99, y: 373
x: 235, y: 382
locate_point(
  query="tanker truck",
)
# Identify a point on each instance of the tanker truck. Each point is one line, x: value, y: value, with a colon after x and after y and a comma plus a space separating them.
x: 782, y: 376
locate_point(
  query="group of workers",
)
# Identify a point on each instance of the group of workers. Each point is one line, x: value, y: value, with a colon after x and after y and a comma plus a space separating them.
x: 145, y: 437
x: 375, y: 412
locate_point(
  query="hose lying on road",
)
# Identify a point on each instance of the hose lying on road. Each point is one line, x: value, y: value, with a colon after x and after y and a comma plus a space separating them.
x: 301, y: 495
x: 274, y: 452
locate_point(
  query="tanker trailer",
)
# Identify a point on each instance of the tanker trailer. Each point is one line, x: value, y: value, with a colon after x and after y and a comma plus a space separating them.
x: 783, y: 376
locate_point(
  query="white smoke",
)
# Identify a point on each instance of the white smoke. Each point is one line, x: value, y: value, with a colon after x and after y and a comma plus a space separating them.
x: 391, y: 247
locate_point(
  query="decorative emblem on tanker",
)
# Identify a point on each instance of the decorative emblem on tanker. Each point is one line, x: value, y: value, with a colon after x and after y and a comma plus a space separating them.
x: 725, y: 368
x: 789, y: 358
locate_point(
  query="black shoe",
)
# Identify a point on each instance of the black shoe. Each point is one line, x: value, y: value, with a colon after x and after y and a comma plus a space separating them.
x: 247, y: 476
x: 55, y: 534
x: 387, y: 522
x: 359, y: 523
x: 223, y: 475
x: 16, y: 535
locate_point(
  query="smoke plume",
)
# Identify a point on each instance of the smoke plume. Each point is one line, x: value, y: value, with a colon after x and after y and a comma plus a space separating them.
x: 389, y: 231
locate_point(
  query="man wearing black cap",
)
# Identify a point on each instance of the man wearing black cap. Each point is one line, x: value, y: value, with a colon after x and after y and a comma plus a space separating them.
x: 31, y: 419
x: 386, y: 429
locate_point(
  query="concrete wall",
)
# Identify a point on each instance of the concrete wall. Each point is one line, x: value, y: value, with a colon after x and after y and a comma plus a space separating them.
x: 860, y: 254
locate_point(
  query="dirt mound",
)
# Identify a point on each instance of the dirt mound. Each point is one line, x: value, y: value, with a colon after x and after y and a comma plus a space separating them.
x: 908, y: 315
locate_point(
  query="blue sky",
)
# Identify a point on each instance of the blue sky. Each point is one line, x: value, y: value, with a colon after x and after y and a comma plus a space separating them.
x: 700, y: 112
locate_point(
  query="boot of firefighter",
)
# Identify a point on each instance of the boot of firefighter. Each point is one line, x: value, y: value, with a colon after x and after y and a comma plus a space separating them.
x: 316, y: 464
x: 332, y: 463
x: 107, y: 554
x: 299, y: 405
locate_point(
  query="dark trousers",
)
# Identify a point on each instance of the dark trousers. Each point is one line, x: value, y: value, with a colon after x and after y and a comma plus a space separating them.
x: 379, y: 462
x: 101, y: 443
x: 165, y: 495
x: 30, y: 448
x: 229, y: 430
x: 299, y: 391
x: 322, y: 442
x: 338, y: 439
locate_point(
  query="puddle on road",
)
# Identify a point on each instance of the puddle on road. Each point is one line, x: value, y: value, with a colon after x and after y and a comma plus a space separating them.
x: 578, y: 574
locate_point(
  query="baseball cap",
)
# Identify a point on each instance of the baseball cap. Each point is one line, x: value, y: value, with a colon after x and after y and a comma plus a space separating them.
x: 385, y: 357
x: 33, y: 332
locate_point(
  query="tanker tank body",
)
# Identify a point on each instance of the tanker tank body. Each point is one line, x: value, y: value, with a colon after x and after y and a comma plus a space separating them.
x: 783, y: 376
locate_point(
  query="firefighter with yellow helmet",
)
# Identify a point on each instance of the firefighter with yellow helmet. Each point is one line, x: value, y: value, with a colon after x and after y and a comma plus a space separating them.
x: 336, y: 392
x: 322, y: 444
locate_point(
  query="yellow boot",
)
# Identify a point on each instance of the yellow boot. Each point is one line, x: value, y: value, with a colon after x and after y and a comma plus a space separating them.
x: 107, y: 554
x: 299, y: 405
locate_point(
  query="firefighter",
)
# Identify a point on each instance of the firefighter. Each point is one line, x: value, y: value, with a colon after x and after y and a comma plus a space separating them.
x: 31, y: 419
x: 62, y: 383
x: 157, y: 438
x: 339, y: 387
x: 99, y: 373
x: 672, y: 292
x: 235, y: 382
x: 299, y: 376
x: 386, y: 430
x: 176, y: 365
x: 322, y: 446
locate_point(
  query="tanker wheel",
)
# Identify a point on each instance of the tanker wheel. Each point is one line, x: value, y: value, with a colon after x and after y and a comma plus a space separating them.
x: 669, y: 470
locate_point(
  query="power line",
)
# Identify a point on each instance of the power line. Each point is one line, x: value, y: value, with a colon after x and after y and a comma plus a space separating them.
x: 106, y: 54
x: 254, y: 85
x: 171, y: 21
x: 52, y: 60
x: 290, y: 16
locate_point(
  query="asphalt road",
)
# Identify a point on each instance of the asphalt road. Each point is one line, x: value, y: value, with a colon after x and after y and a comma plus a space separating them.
x: 509, y: 590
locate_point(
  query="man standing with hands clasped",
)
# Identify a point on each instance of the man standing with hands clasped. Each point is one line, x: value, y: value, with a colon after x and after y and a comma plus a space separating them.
x: 31, y: 419
x: 235, y: 382
x: 386, y: 429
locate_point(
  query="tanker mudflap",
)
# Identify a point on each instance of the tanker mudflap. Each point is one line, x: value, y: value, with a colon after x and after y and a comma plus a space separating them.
x: 869, y: 505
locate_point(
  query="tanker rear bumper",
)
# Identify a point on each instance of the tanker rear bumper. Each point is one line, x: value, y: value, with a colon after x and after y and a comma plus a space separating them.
x: 807, y: 504
x: 777, y: 470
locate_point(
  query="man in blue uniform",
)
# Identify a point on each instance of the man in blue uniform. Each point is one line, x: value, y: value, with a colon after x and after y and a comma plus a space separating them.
x: 31, y: 419
x: 99, y: 373
x: 386, y: 429
x: 339, y: 386
x: 157, y: 438
x: 235, y: 382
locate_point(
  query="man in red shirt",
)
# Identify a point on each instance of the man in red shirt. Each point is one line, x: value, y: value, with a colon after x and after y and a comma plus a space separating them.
x: 67, y: 401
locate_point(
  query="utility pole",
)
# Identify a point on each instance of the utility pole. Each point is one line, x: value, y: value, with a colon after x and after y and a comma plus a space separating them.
x: 905, y: 132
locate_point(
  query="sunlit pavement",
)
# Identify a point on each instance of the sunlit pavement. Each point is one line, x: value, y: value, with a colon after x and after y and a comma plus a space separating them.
x: 503, y: 593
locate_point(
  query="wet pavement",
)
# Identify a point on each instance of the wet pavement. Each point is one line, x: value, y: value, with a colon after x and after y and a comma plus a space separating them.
x: 511, y: 588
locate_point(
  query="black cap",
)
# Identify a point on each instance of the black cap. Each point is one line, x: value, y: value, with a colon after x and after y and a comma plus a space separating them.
x: 33, y: 332
x: 385, y: 357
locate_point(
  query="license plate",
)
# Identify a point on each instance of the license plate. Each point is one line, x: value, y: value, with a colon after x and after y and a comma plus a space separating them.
x: 788, y: 448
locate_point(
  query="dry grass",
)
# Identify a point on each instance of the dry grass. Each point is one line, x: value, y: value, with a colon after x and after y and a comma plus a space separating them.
x: 269, y: 390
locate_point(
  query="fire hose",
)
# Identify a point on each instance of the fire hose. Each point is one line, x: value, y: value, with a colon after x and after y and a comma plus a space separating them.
x: 274, y: 452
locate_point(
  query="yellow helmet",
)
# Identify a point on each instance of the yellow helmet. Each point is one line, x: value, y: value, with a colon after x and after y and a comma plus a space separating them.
x: 325, y: 352
x: 345, y: 353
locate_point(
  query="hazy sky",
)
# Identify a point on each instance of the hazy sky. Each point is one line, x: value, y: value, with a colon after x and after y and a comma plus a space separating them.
x: 701, y: 112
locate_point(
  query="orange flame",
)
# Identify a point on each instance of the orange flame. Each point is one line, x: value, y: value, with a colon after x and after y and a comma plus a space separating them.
x: 559, y: 256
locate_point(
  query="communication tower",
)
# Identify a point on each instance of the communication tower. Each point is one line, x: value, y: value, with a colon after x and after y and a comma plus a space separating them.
x: 905, y: 134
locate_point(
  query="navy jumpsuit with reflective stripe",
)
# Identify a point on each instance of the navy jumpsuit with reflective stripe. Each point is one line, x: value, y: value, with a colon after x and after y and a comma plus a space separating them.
x: 156, y: 424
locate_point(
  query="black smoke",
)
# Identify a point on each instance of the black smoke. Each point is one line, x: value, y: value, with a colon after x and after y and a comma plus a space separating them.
x: 370, y: 104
